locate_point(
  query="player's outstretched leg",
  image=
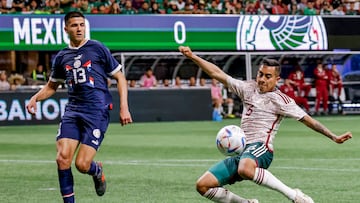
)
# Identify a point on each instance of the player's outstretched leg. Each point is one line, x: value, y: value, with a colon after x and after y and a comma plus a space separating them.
x: 96, y: 170
x: 302, y: 198
x: 265, y: 178
x: 222, y: 195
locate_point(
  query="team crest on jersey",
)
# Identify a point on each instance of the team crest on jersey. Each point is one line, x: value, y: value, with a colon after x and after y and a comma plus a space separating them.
x: 281, y: 33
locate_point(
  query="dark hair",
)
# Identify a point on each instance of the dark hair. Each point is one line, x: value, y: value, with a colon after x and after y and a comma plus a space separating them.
x: 73, y: 14
x: 272, y: 62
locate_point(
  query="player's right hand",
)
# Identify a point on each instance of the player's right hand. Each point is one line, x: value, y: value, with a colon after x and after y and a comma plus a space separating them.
x: 342, y: 138
x: 31, y: 106
x: 186, y: 51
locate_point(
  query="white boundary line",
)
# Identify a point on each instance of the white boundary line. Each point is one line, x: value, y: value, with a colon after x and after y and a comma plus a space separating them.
x: 190, y: 162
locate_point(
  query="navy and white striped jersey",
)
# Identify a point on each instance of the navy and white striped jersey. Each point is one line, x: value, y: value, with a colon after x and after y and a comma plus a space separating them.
x: 85, y: 71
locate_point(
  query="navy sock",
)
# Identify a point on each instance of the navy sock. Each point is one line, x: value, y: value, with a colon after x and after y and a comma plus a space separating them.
x: 66, y: 181
x: 94, y: 170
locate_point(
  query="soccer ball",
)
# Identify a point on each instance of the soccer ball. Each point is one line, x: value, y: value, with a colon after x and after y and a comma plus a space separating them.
x: 231, y: 140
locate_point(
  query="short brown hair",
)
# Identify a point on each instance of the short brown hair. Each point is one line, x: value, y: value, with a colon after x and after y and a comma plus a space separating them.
x: 73, y: 14
x: 272, y: 62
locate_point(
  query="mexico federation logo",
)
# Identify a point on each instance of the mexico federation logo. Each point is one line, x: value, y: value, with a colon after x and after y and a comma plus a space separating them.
x: 281, y: 33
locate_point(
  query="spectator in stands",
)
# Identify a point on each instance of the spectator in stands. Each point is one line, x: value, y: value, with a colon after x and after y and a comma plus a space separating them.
x: 213, y: 8
x: 262, y: 10
x: 326, y: 8
x: 16, y: 81
x: 148, y: 79
x: 294, y: 9
x: 321, y: 85
x: 339, y: 11
x: 4, y: 83
x: 164, y: 6
x: 309, y: 9
x: 67, y: 5
x: 351, y: 3
x: 336, y: 3
x: 114, y: 8
x: 155, y: 9
x: 178, y: 82
x: 335, y: 83
x: 228, y: 98
x: 6, y: 7
x: 297, y: 80
x: 132, y: 83
x: 128, y: 9
x: 277, y: 8
x: 180, y: 4
x: 102, y: 9
x: 83, y: 6
x: 351, y: 10
x: 145, y: 8
x: 33, y: 7
x: 166, y: 82
x: 302, y: 5
x: 19, y: 5
x: 289, y: 90
x: 318, y: 5
x: 172, y: 9
x: 192, y: 81
x: 188, y: 9
x: 228, y: 8
x: 250, y: 8
x: 201, y: 9
x: 239, y: 8
x: 202, y: 82
x: 53, y: 7
x: 39, y: 74
x: 267, y: 4
x: 216, y: 97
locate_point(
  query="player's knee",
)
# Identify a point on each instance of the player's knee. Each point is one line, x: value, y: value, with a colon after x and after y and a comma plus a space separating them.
x: 63, y: 160
x: 201, y: 187
x: 246, y: 172
x: 82, y: 166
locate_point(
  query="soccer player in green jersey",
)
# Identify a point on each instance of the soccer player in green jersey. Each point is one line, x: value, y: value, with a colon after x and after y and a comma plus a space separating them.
x: 264, y: 108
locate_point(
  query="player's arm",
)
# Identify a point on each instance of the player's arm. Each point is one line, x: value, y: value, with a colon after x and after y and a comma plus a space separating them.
x: 47, y: 91
x: 211, y: 69
x: 318, y: 127
x: 125, y: 116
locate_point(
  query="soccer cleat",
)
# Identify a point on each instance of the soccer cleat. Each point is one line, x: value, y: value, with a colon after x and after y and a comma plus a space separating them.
x: 302, y: 198
x: 253, y: 201
x: 99, y: 181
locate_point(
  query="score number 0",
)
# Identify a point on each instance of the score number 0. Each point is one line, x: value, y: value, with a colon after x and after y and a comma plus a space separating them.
x: 179, y: 28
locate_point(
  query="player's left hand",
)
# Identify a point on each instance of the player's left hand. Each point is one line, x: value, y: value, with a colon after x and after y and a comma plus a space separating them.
x: 125, y: 117
x: 342, y: 138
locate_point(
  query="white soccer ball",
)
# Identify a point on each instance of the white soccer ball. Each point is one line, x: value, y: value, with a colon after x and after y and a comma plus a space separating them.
x: 231, y: 140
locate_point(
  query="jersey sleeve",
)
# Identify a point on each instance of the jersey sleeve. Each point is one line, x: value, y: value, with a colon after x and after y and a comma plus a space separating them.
x: 111, y: 64
x: 57, y: 73
x: 288, y: 107
x: 235, y: 86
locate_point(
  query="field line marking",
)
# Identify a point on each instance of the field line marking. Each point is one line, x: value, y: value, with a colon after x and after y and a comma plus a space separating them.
x: 178, y: 163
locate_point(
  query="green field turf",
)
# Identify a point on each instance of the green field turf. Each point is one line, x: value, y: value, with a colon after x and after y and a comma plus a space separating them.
x: 160, y: 162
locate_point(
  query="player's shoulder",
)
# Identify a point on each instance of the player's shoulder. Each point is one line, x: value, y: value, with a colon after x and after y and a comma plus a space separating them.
x: 94, y: 42
x: 280, y: 97
x: 98, y: 46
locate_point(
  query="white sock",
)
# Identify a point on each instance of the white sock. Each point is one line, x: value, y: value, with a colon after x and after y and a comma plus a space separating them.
x: 230, y: 108
x: 267, y: 179
x: 222, y: 195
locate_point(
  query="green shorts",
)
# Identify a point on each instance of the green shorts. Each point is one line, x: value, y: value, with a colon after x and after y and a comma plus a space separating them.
x: 226, y: 170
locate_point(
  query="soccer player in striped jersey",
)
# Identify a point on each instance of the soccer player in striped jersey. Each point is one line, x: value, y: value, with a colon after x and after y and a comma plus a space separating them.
x: 84, y: 66
x: 264, y: 108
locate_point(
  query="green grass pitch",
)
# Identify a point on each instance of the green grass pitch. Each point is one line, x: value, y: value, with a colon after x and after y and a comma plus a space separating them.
x: 160, y: 162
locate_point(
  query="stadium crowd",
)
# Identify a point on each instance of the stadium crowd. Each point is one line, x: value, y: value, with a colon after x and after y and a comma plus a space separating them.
x: 130, y: 7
